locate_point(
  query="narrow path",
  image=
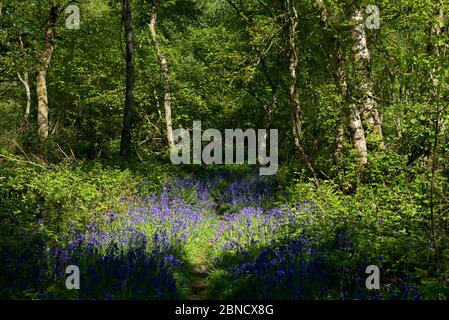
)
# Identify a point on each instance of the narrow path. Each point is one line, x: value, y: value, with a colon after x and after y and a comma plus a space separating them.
x: 199, y: 278
x: 198, y: 275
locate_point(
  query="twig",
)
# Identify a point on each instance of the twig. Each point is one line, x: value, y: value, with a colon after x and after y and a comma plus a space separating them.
x: 59, y: 147
x: 24, y: 153
x: 19, y: 160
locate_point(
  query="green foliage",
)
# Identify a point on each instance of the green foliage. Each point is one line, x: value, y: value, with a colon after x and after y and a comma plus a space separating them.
x: 228, y: 67
x: 389, y: 224
x: 61, y: 196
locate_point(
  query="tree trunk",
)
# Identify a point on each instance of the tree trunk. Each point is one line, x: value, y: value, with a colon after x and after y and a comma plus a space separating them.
x: 293, y: 53
x: 26, y: 86
x: 436, y: 75
x: 41, y: 75
x: 128, y: 115
x: 165, y: 74
x: 435, y: 49
x: 355, y: 123
x: 362, y: 60
x: 1, y: 8
x: 435, y: 31
x: 340, y: 75
x: 358, y: 136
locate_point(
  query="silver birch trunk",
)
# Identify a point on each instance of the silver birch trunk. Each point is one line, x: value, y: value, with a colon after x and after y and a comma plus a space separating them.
x: 293, y: 53
x: 41, y: 75
x: 361, y: 54
x: 353, y: 114
x: 165, y: 74
x: 26, y: 85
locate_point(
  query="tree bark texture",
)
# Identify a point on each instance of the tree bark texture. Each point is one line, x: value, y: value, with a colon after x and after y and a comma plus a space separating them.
x: 164, y: 73
x: 128, y: 115
x: 41, y: 75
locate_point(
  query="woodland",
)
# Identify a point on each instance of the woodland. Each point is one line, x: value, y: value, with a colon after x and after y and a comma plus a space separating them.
x: 92, y: 91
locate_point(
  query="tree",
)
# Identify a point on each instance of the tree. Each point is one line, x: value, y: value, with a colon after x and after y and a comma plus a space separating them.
x: 42, y: 68
x: 26, y: 85
x: 437, y: 81
x: 125, y: 143
x: 291, y: 19
x: 354, y: 119
x: 164, y: 73
x: 362, y: 61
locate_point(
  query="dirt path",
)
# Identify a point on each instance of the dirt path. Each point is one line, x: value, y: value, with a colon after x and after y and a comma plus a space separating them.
x: 199, y: 278
x: 198, y: 275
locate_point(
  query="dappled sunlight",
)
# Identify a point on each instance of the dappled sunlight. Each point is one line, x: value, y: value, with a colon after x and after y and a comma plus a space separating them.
x: 226, y: 236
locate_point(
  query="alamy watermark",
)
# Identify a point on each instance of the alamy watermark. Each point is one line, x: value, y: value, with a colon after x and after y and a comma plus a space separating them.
x: 74, y: 18
x: 186, y: 152
x: 72, y: 282
x: 373, y: 280
x: 373, y: 19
